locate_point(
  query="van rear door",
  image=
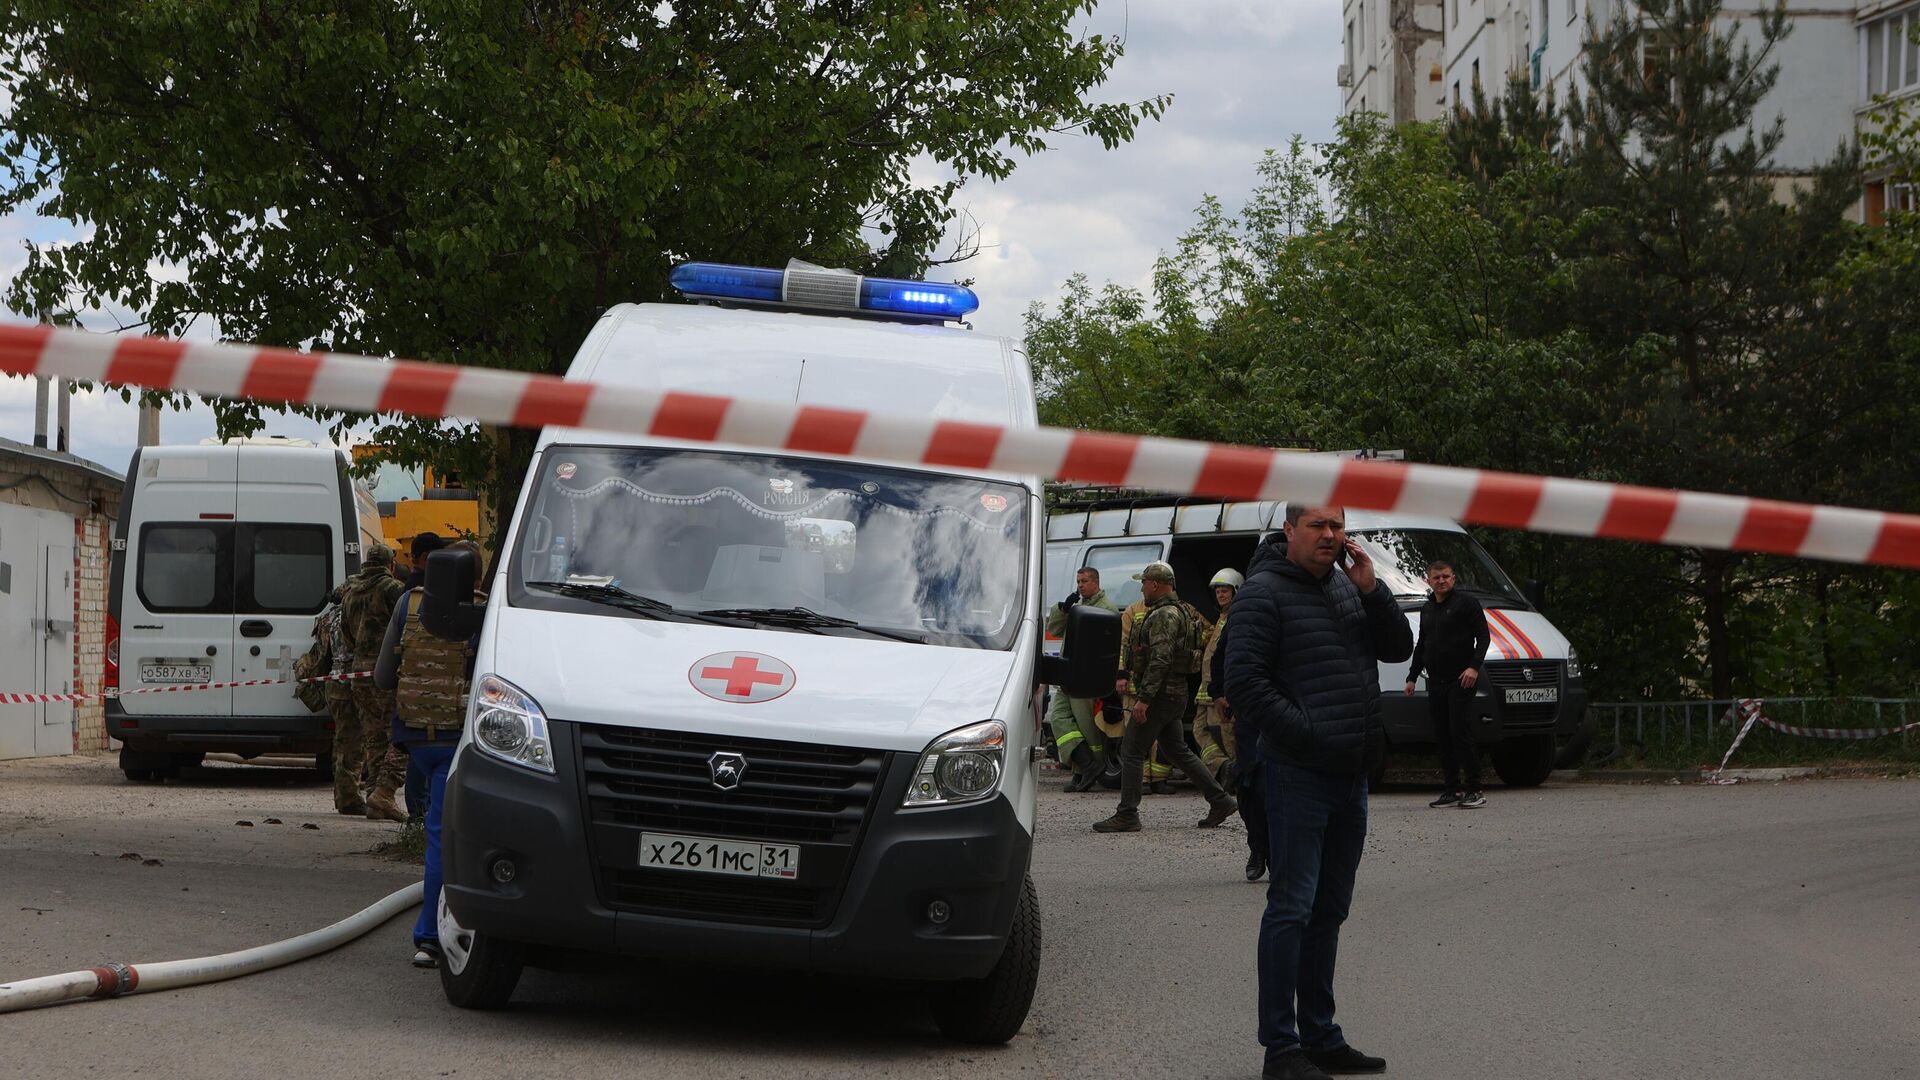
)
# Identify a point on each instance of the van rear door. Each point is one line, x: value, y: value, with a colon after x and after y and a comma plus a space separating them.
x: 176, y: 623
x: 288, y: 552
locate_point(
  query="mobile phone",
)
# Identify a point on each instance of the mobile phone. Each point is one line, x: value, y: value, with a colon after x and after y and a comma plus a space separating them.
x: 1344, y: 558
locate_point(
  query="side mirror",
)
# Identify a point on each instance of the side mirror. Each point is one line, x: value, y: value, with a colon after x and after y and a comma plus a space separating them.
x: 447, y: 609
x: 1089, y: 656
x: 1536, y: 593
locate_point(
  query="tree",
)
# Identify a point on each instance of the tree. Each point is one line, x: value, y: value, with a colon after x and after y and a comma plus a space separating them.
x: 474, y: 181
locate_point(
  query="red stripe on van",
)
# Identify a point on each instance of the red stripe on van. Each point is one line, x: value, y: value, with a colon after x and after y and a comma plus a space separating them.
x: 820, y: 430
x: 1508, y: 650
x: 145, y: 361
x: 689, y: 416
x: 963, y: 445
x: 1533, y: 651
x: 280, y: 375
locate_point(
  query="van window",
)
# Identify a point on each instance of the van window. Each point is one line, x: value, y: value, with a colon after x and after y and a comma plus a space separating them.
x: 1117, y: 564
x: 289, y: 568
x: 884, y: 549
x: 186, y: 567
x: 1400, y: 556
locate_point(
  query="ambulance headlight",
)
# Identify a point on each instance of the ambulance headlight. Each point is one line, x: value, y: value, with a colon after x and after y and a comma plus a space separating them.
x: 508, y: 724
x: 960, y: 766
x: 1573, y: 663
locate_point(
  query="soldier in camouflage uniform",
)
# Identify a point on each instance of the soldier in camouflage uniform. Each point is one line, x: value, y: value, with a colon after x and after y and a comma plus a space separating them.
x: 365, y: 606
x: 1163, y: 656
x: 347, y: 751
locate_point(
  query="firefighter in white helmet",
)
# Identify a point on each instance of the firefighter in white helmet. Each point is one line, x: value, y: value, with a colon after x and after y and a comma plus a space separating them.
x: 1212, y: 722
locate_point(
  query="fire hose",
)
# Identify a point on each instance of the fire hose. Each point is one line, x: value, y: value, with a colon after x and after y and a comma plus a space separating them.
x: 112, y: 980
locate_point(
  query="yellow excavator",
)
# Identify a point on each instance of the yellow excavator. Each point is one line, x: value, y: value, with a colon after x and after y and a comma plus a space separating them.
x: 413, y: 501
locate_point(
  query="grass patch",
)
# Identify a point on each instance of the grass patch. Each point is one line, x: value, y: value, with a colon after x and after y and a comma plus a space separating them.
x: 410, y: 846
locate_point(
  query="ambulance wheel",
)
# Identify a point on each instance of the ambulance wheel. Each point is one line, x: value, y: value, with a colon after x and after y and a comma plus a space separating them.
x: 146, y: 766
x: 1525, y: 761
x: 476, y: 971
x: 323, y: 764
x: 991, y: 1010
x: 1110, y: 776
x: 141, y: 776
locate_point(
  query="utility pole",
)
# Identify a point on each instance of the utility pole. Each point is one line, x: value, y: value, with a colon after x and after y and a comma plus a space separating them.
x: 40, y: 411
x: 149, y: 424
x: 63, y: 432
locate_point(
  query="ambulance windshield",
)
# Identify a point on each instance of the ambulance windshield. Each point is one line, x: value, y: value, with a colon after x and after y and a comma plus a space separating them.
x: 920, y: 555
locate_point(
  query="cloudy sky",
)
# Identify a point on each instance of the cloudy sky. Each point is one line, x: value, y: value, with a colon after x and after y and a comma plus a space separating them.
x: 1246, y: 75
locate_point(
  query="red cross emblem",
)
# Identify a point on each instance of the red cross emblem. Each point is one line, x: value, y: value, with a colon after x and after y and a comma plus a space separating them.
x: 741, y: 677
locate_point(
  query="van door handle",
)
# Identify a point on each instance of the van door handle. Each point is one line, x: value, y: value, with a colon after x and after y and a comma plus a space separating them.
x: 255, y: 628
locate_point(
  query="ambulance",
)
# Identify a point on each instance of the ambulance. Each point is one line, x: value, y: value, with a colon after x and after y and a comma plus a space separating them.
x: 1531, y: 699
x: 761, y: 709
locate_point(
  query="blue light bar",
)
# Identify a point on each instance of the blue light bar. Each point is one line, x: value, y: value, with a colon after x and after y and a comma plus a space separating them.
x: 802, y: 286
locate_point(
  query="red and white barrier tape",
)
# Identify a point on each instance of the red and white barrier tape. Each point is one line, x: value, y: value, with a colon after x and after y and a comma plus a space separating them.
x: 1748, y: 709
x: 102, y: 695
x: 1509, y: 500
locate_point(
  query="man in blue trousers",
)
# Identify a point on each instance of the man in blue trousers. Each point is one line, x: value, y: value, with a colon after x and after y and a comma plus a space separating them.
x: 1309, y: 630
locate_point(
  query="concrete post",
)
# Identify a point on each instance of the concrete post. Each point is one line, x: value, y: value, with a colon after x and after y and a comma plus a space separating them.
x: 149, y: 424
x: 40, y: 411
x: 63, y: 432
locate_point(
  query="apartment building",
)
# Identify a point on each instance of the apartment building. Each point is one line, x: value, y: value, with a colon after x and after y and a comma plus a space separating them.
x: 1414, y: 60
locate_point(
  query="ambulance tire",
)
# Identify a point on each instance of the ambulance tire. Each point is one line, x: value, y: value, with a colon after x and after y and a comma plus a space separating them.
x: 323, y: 764
x: 476, y: 971
x: 1110, y: 776
x: 991, y: 1010
x: 1526, y: 761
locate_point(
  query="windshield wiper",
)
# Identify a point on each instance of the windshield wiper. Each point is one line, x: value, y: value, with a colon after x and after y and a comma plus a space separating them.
x: 799, y: 618
x: 607, y: 593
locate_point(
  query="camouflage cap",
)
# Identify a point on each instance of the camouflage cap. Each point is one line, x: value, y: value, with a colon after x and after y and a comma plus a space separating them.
x: 1156, y: 571
x: 378, y: 555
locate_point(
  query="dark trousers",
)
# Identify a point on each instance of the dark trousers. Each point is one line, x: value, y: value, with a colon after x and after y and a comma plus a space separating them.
x: 1451, y: 708
x: 1253, y: 807
x: 1317, y: 825
x: 434, y: 759
x: 1165, y: 716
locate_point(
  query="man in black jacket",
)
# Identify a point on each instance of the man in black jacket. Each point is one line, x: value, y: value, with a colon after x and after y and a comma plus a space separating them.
x: 1451, y: 650
x: 1309, y: 629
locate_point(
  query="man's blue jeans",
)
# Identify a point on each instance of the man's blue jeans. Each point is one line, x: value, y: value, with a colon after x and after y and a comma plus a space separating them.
x: 434, y: 760
x: 1316, y: 826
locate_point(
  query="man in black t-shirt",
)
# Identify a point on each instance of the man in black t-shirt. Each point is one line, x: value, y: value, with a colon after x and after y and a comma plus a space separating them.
x: 1452, y: 649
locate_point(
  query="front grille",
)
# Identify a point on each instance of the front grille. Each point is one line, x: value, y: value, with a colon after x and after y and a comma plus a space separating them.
x: 1526, y: 716
x: 639, y: 780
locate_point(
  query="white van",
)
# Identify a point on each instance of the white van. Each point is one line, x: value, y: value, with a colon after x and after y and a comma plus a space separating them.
x: 1531, y: 697
x: 759, y: 708
x: 222, y: 556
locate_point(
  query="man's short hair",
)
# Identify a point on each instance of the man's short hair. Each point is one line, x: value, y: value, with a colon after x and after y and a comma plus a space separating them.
x: 1441, y: 564
x: 1089, y: 571
x: 1295, y: 509
x: 427, y: 543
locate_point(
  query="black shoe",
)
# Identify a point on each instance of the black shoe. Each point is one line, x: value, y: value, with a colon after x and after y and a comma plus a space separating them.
x: 1159, y: 787
x: 1118, y: 823
x: 1256, y: 866
x: 1346, y: 1059
x: 1218, y: 813
x: 1292, y: 1065
x: 1473, y: 800
x: 1447, y: 798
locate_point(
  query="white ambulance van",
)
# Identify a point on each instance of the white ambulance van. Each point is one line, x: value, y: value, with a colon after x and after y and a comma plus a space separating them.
x: 762, y: 708
x: 1531, y: 698
x: 222, y: 556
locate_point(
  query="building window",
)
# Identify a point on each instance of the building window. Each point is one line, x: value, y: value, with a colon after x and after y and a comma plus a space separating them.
x: 1363, y: 28
x: 1456, y: 95
x: 1883, y: 198
x: 1890, y: 63
x: 1349, y: 44
x: 1456, y: 12
x: 1573, y: 10
x: 1476, y: 74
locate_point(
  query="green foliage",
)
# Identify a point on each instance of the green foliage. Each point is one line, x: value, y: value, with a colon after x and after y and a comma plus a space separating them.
x: 475, y: 181
x: 1619, y: 288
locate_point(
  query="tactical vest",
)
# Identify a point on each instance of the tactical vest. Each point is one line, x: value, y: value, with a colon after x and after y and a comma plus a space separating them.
x: 1187, y: 646
x: 433, y: 677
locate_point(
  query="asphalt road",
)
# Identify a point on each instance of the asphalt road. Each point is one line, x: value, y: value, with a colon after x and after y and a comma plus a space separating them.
x: 1765, y: 930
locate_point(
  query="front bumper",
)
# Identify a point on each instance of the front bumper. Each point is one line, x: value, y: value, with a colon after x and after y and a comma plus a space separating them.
x: 875, y: 923
x: 309, y: 734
